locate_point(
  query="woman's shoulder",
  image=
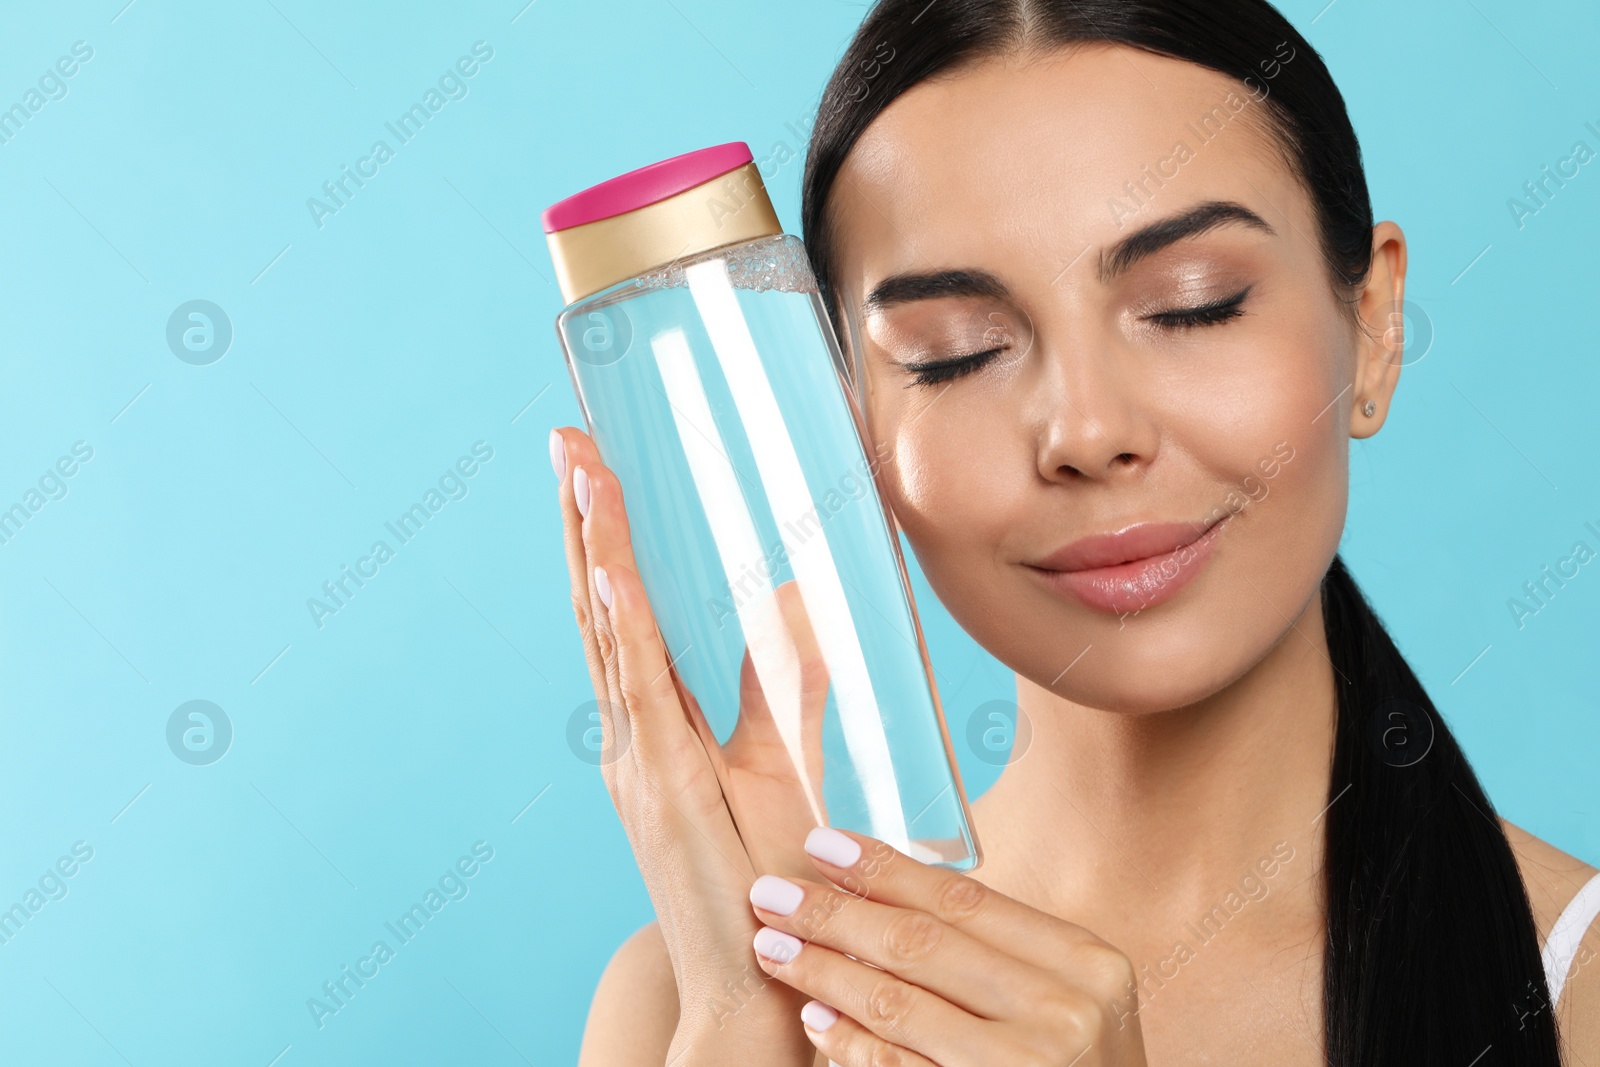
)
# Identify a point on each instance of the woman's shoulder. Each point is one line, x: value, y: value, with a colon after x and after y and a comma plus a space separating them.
x: 634, y: 1012
x: 1552, y: 877
x: 1554, y: 880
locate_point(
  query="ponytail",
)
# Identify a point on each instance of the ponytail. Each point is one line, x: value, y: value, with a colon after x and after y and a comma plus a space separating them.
x: 1431, y: 953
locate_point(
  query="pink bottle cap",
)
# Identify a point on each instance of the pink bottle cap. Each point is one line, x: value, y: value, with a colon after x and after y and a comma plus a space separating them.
x: 648, y: 184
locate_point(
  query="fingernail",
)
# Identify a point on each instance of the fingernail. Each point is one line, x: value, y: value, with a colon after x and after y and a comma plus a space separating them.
x: 818, y: 1015
x: 777, y: 945
x: 777, y: 895
x: 558, y: 455
x: 830, y: 846
x: 602, y: 585
x: 580, y: 490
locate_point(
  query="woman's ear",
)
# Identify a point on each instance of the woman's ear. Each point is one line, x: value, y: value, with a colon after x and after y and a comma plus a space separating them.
x: 1380, y: 344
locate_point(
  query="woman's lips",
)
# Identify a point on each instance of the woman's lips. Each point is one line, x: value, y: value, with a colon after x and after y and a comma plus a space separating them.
x: 1136, y: 584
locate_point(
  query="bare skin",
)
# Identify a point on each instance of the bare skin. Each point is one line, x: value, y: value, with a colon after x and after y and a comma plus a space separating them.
x: 1173, y: 749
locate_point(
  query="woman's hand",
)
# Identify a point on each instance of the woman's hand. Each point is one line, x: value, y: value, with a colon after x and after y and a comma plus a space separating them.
x: 945, y: 971
x: 758, y: 764
x: 666, y: 772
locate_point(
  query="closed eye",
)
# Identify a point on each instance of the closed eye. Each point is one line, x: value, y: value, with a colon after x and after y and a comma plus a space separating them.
x: 1209, y: 314
x: 1203, y: 314
x: 946, y: 370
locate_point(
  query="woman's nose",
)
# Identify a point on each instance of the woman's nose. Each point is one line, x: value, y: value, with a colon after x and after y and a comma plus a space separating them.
x: 1089, y: 415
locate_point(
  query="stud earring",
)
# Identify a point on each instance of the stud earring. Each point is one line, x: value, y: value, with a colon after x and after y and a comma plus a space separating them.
x: 1369, y: 409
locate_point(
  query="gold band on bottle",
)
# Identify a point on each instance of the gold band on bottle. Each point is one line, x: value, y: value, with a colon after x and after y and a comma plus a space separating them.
x: 596, y: 255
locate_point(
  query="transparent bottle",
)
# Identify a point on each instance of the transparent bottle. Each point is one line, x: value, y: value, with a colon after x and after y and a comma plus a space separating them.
x: 714, y: 387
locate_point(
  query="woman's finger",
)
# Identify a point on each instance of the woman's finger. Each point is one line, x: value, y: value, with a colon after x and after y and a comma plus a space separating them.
x: 606, y: 546
x: 663, y: 744
x: 907, y: 942
x: 849, y: 1044
x: 868, y: 867
x: 587, y: 575
x: 562, y: 445
x: 890, y: 1008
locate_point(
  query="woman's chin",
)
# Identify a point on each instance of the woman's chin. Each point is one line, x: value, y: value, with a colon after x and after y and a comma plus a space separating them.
x: 1142, y: 670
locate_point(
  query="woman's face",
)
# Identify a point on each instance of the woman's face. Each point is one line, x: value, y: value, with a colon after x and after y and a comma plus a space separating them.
x: 1206, y: 378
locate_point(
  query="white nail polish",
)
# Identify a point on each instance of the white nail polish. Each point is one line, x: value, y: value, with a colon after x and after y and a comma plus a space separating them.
x: 558, y: 455
x: 830, y: 846
x: 777, y: 945
x: 818, y: 1015
x: 777, y: 895
x: 580, y: 490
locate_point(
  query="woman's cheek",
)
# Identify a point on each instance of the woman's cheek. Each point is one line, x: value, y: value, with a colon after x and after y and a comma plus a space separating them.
x: 1314, y: 428
x: 920, y: 484
x: 946, y: 492
x: 1298, y: 515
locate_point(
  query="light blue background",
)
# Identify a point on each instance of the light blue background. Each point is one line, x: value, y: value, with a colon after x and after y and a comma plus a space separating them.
x: 372, y: 352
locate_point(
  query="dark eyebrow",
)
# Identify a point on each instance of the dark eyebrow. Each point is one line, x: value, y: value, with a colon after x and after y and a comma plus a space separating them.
x: 1150, y: 239
x: 904, y: 288
x: 1163, y: 232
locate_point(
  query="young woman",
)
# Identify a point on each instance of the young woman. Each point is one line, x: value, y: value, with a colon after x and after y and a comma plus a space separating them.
x: 1108, y: 277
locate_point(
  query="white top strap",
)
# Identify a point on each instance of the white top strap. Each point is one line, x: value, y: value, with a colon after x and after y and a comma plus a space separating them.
x: 1561, y: 948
